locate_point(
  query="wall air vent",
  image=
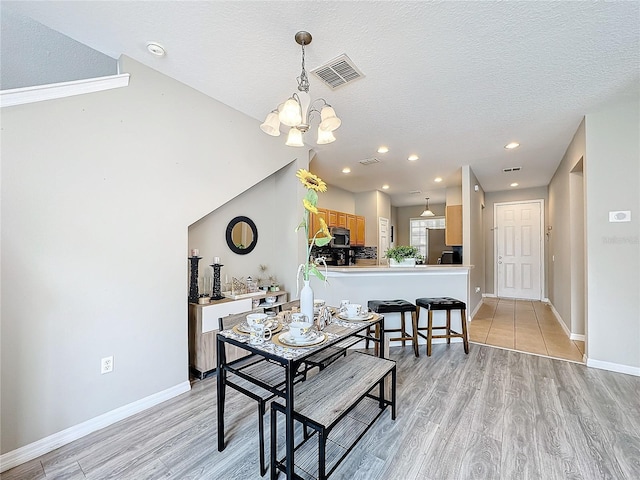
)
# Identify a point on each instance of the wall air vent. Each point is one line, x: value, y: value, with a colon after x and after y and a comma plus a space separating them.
x: 511, y: 169
x: 369, y: 161
x: 337, y: 72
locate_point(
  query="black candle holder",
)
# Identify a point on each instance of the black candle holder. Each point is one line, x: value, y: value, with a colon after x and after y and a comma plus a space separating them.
x: 193, y: 283
x: 217, y: 293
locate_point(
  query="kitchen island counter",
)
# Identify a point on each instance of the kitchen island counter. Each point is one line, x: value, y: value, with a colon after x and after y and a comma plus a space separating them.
x: 420, y: 269
x: 359, y: 284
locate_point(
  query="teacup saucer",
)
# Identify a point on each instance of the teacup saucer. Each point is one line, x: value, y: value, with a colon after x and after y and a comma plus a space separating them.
x: 312, y: 339
x: 358, y: 318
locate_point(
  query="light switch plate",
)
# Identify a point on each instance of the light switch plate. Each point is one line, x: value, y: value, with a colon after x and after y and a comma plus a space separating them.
x: 620, y: 216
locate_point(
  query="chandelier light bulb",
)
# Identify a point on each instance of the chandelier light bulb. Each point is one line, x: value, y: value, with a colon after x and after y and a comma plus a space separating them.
x: 329, y: 121
x: 294, y: 139
x: 325, y: 136
x: 290, y: 115
x: 271, y: 125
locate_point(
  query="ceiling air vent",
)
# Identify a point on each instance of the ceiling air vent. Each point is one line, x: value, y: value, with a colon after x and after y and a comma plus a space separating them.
x: 339, y: 71
x: 369, y: 161
x: 511, y: 169
x: 413, y: 192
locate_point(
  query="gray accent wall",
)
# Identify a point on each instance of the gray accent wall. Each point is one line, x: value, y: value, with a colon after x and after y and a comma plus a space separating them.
x: 53, y: 57
x: 612, y: 173
x: 98, y: 192
x: 472, y: 237
x: 491, y: 198
x: 560, y: 254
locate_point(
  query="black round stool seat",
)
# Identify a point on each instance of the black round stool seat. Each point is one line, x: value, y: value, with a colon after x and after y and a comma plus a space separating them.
x: 440, y: 303
x: 390, y: 306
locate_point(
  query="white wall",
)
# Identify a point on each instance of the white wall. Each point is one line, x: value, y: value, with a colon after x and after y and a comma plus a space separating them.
x: 612, y: 173
x: 98, y: 191
x: 337, y: 199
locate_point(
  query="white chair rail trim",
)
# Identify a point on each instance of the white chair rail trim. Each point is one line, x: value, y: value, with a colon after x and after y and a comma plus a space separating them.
x: 39, y: 93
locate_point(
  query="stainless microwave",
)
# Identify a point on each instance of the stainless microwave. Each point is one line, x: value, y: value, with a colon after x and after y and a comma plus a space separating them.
x: 340, y: 237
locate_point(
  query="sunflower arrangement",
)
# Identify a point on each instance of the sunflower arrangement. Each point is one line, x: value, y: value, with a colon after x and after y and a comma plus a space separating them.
x: 313, y: 184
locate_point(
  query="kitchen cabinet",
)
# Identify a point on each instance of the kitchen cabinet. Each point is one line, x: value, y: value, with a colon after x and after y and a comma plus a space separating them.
x: 453, y: 225
x: 332, y: 217
x: 342, y: 219
x: 351, y: 225
x: 315, y: 222
x: 359, y: 237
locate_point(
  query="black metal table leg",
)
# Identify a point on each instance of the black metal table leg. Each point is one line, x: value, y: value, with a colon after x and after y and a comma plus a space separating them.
x: 290, y: 374
x: 221, y: 387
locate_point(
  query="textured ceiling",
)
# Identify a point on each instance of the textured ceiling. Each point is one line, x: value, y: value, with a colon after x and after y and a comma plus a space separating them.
x: 452, y: 82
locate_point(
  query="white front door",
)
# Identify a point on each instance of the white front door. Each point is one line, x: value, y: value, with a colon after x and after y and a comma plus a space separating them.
x: 518, y: 234
x: 383, y: 239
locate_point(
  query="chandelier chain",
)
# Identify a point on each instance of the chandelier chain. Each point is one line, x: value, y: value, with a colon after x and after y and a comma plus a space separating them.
x: 303, y: 81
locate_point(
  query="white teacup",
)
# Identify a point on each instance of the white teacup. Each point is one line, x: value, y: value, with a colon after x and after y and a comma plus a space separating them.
x: 256, y: 319
x: 258, y: 334
x: 300, y: 330
x: 353, y: 309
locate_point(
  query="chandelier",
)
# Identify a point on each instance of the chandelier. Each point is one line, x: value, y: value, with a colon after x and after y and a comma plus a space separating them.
x: 427, y: 212
x: 297, y: 111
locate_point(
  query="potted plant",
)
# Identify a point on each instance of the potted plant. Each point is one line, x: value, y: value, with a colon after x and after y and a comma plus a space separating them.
x: 402, y: 256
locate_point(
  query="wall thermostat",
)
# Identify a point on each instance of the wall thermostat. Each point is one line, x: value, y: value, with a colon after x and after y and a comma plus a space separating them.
x: 620, y: 216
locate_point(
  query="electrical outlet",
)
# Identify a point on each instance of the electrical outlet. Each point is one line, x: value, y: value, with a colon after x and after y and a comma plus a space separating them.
x: 106, y: 365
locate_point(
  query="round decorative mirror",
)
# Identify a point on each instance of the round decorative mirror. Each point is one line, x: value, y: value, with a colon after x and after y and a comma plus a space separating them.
x: 242, y: 235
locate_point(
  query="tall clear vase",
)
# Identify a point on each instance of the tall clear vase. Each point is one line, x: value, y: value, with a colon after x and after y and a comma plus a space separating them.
x: 306, y: 300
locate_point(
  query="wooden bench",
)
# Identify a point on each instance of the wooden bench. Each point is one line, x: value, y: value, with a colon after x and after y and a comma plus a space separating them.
x: 324, y: 400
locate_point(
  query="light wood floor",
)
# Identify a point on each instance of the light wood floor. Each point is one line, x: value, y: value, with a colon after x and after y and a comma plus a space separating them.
x: 523, y: 325
x: 492, y: 414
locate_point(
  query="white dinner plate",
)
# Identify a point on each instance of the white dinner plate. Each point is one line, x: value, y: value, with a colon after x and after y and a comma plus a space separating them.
x: 359, y: 318
x: 313, y: 339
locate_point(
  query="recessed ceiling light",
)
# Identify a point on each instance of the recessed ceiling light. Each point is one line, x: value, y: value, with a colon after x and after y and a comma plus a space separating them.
x: 156, y: 49
x: 385, y: 187
x: 383, y: 149
x: 437, y: 179
x: 512, y: 145
x: 346, y: 170
x: 413, y: 158
x: 514, y: 184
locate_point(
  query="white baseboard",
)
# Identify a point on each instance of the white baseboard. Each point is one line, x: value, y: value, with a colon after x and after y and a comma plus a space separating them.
x: 34, y: 450
x: 613, y: 367
x: 559, y: 319
x: 475, y: 310
x: 572, y: 336
x: 490, y: 295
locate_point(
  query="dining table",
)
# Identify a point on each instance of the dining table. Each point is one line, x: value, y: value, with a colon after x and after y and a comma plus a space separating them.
x: 337, y: 335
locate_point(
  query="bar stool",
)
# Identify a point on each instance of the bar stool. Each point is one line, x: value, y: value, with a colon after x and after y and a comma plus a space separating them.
x: 442, y: 303
x: 401, y: 307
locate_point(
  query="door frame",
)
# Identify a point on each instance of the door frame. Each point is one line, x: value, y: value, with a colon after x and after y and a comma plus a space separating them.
x: 543, y: 279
